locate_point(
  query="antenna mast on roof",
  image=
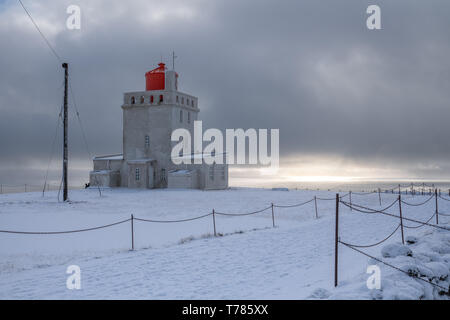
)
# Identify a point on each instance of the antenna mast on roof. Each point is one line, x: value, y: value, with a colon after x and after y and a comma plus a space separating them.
x: 173, y: 60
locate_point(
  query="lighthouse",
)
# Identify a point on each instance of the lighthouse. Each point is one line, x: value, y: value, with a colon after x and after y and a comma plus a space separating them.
x: 149, y: 118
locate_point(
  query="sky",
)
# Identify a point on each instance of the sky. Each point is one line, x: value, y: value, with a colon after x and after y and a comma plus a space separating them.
x: 349, y: 102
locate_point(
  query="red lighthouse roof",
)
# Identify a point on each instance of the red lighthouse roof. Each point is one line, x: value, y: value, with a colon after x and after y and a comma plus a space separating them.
x: 155, y: 79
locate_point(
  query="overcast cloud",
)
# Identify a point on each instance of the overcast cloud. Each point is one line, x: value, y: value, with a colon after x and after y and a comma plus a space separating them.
x: 337, y: 91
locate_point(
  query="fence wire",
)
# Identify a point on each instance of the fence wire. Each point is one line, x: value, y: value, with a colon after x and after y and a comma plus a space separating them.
x: 375, y: 244
x: 70, y: 231
x: 417, y: 204
x: 391, y: 215
x: 412, y: 275
x: 173, y: 221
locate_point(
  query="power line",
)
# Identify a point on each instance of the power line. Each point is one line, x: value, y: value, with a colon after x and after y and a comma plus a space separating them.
x: 52, y: 149
x: 41, y: 33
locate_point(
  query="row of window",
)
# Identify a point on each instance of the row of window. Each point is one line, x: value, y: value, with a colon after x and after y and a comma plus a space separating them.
x: 188, y: 116
x: 188, y: 102
x: 151, y: 99
x: 161, y: 99
x: 211, y: 173
x: 163, y: 173
x: 137, y: 173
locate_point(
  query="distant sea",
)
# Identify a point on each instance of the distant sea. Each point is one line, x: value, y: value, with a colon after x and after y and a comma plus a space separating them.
x: 357, y: 186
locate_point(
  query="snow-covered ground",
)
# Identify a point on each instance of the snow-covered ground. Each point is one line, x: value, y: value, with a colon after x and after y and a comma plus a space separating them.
x: 249, y: 260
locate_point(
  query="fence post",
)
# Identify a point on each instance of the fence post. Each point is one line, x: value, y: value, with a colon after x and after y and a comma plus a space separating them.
x: 273, y: 217
x: 401, y: 217
x: 132, y: 232
x: 336, y: 242
x: 315, y: 205
x: 214, y: 222
x: 399, y: 189
x: 379, y: 195
x: 437, y: 211
x: 351, y: 207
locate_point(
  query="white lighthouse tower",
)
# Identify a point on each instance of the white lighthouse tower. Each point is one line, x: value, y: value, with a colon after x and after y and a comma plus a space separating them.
x: 149, y: 118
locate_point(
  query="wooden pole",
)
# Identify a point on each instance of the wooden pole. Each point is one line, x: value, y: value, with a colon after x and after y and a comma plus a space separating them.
x: 132, y: 232
x: 65, y: 145
x: 336, y: 242
x: 315, y: 205
x: 273, y: 218
x: 214, y: 222
x: 398, y: 189
x: 379, y: 195
x: 437, y: 211
x: 401, y: 217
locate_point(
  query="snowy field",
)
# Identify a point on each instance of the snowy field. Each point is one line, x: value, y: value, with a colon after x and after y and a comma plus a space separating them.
x: 248, y: 260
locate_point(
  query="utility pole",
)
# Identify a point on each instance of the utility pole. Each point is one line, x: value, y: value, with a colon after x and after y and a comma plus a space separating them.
x: 65, y: 149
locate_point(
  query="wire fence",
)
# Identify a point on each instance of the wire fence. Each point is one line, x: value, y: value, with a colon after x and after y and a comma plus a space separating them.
x: 400, y: 226
x: 21, y: 188
x: 339, y: 200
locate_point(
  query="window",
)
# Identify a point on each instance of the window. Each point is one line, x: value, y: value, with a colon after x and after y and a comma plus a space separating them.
x: 161, y: 98
x: 182, y: 100
x: 177, y: 99
x: 163, y: 174
x: 187, y: 101
x: 147, y: 141
x: 211, y: 172
x: 142, y: 99
x: 189, y: 117
x: 151, y: 99
x: 133, y: 100
x: 137, y: 174
x: 192, y: 103
x: 181, y: 115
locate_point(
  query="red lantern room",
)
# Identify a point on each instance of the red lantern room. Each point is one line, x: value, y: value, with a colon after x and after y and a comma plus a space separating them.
x: 155, y: 79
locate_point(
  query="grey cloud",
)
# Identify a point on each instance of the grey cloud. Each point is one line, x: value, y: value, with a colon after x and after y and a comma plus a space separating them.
x: 310, y: 68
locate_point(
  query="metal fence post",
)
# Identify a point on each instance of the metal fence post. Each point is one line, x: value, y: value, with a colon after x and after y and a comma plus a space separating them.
x: 273, y: 218
x: 336, y: 242
x: 315, y: 205
x: 401, y: 217
x: 214, y: 222
x: 379, y: 195
x: 351, y: 207
x: 437, y: 211
x: 132, y: 232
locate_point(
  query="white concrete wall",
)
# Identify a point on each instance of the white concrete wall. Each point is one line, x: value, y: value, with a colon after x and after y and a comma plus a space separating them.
x: 184, y: 181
